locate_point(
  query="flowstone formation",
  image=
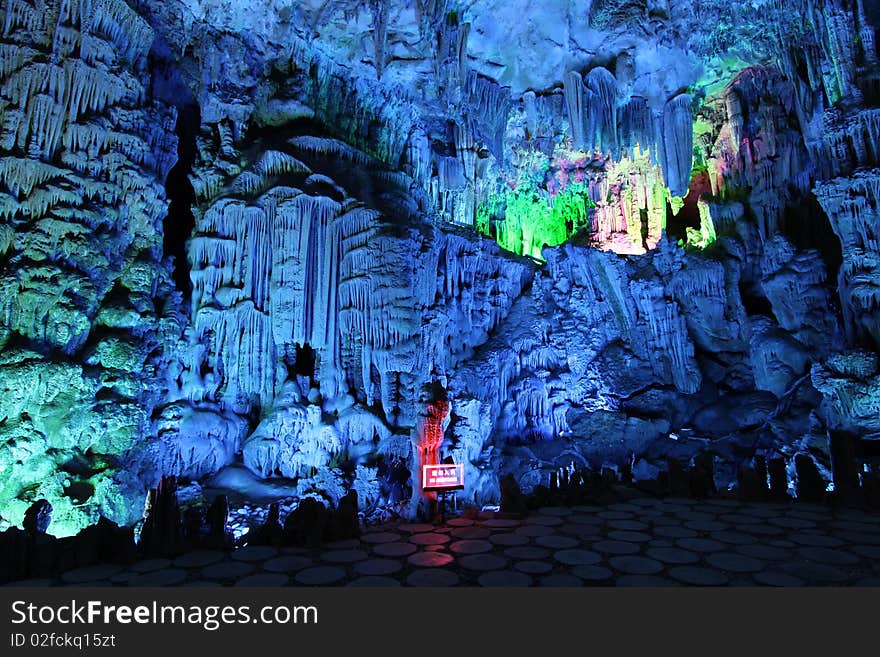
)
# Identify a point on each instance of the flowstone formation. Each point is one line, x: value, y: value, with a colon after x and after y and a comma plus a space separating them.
x: 624, y: 234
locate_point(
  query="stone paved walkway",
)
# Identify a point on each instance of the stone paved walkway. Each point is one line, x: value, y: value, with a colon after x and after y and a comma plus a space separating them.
x: 641, y: 542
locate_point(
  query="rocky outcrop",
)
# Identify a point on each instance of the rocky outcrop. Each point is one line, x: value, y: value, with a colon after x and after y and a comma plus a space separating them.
x: 84, y: 302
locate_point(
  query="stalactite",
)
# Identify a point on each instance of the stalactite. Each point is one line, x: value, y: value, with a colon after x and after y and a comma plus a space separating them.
x: 678, y: 144
x: 577, y: 111
x: 603, y: 109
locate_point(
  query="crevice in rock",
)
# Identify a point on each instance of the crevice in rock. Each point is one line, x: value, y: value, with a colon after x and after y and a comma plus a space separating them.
x: 807, y: 227
x: 180, y: 222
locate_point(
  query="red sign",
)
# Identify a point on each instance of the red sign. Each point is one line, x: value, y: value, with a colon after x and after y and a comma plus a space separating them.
x: 445, y: 476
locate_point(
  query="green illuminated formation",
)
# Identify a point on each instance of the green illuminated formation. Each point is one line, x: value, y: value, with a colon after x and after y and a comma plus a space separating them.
x: 706, y: 234
x: 528, y: 218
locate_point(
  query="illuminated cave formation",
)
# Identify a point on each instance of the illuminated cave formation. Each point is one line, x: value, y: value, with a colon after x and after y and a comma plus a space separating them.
x: 239, y: 244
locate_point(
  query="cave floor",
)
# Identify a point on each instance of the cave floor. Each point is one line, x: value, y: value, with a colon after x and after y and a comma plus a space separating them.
x: 640, y: 542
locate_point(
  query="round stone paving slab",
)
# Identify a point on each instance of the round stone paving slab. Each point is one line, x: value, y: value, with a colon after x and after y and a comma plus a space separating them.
x: 586, y: 508
x: 789, y: 522
x: 765, y: 552
x: 635, y: 565
x: 816, y: 540
x: 203, y: 584
x: 533, y: 567
x: 583, y: 533
x: 430, y: 538
x: 561, y: 580
x: 483, y: 562
x: 628, y: 525
x: 673, y: 555
x: 734, y: 563
x: 471, y: 532
x: 345, y: 544
x: 381, y: 537
x: 674, y: 532
x: 459, y: 522
x: 264, y: 579
x: 616, y: 547
x: 556, y: 542
x: 509, y: 539
x: 164, y: 577
x: 615, y: 515
x: 828, y: 556
x: 504, y: 578
x: 394, y: 549
x: 626, y: 507
x: 738, y: 519
x: 816, y: 573
x: 577, y: 557
x: 592, y: 573
x: 252, y: 553
x: 527, y: 552
x: 734, y: 538
x: 287, y: 564
x: 430, y: 559
x: 645, y: 501
x: 727, y: 503
x: 698, y: 576
x: 694, y: 516
x: 857, y: 515
x: 705, y: 525
x: 700, y: 544
x: 227, y: 570
x: 644, y: 581
x: 378, y: 567
x: 666, y: 521
x: 774, y: 578
x: 344, y: 556
x: 371, y: 582
x: 469, y: 546
x: 501, y: 523
x: 320, y: 575
x: 854, y: 526
x: 416, y: 527
x: 199, y: 558
x: 674, y: 502
x: 533, y: 531
x: 555, y: 511
x: 758, y: 529
x: 858, y: 537
x: 585, y: 520
x: 147, y: 565
x: 764, y: 510
x: 102, y: 571
x: 432, y: 577
x: 629, y: 536
x: 816, y: 515
x: 546, y: 521
x: 869, y: 551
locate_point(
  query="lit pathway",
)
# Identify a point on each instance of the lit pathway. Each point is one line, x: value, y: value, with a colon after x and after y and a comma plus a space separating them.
x: 642, y: 542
